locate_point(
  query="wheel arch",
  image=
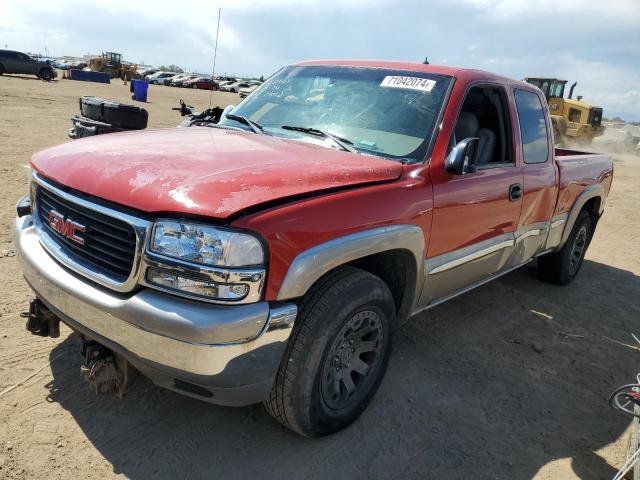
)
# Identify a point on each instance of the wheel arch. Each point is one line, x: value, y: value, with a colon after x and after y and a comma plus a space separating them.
x: 394, y: 253
x: 591, y: 200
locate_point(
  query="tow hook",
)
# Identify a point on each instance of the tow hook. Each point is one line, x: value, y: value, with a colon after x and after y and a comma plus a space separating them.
x: 105, y: 371
x: 41, y: 321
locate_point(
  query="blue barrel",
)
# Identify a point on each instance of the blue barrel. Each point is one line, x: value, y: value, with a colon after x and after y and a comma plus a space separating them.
x: 140, y: 88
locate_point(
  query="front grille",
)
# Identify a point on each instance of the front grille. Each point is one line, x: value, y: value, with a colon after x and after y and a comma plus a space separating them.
x: 109, y: 243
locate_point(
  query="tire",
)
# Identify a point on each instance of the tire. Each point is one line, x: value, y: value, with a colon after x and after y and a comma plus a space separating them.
x: 45, y: 74
x: 344, y: 327
x: 110, y: 71
x: 2, y: 70
x: 117, y: 114
x: 563, y: 266
x: 557, y: 137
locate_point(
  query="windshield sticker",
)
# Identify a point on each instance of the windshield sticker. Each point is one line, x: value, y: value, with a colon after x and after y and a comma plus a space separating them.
x: 411, y: 83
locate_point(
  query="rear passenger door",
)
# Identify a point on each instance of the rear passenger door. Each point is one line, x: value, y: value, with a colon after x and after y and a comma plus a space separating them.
x: 25, y: 64
x: 540, y: 175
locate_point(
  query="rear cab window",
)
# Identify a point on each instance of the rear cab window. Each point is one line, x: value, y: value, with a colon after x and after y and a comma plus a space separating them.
x: 533, y: 127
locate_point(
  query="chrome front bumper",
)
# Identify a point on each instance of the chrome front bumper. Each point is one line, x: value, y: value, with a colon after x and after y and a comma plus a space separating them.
x: 229, y: 354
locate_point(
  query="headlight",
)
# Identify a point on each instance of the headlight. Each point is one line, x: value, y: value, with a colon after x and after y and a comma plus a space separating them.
x: 206, y: 245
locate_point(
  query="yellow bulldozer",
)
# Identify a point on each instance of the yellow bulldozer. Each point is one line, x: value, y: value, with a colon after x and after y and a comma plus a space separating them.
x: 111, y: 63
x: 573, y: 120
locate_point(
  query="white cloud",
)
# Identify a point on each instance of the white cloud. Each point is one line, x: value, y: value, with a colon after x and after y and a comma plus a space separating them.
x: 595, y: 43
x: 625, y: 11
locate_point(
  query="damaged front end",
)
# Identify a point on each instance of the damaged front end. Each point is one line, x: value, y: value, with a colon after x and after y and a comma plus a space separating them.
x: 106, y: 371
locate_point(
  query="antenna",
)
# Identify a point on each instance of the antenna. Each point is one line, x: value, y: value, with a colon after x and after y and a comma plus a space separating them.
x: 426, y: 61
x: 215, y: 54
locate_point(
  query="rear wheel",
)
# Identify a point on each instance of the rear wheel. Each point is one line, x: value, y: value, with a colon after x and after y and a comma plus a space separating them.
x: 45, y: 74
x: 562, y: 267
x: 337, y: 354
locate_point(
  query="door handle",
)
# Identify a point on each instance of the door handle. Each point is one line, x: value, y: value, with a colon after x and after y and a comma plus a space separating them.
x: 515, y: 192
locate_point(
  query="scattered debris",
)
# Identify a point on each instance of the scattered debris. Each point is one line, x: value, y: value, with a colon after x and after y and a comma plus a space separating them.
x: 541, y: 314
x: 570, y: 335
x: 537, y: 347
x: 621, y: 343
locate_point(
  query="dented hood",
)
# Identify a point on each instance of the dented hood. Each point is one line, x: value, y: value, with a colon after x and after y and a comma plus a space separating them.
x: 203, y: 171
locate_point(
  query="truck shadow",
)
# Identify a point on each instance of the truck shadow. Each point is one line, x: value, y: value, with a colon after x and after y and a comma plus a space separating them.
x: 495, y: 384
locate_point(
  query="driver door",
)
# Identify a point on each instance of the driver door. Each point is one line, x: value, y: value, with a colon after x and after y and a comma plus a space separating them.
x: 476, y: 214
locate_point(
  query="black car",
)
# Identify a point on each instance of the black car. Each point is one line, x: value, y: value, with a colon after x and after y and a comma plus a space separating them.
x: 18, y: 62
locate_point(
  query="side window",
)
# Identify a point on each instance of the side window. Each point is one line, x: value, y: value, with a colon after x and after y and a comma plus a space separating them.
x: 484, y: 115
x: 9, y: 54
x: 574, y: 115
x: 533, y: 127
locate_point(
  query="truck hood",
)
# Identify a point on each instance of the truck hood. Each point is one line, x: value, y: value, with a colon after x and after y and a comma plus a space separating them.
x: 204, y: 171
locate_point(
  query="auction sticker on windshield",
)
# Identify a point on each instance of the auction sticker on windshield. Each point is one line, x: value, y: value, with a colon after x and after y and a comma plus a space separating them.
x: 412, y: 83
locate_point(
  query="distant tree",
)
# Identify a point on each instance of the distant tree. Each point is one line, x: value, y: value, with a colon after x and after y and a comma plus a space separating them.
x: 171, y: 68
x: 617, y: 119
x: 262, y: 78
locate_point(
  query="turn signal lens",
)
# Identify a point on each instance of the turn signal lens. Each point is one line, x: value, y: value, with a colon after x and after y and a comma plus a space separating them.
x: 202, y: 288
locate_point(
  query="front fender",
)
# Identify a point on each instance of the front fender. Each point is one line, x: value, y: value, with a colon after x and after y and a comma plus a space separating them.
x: 308, y: 266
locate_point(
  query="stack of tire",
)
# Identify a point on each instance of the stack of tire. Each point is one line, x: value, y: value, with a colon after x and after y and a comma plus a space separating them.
x: 99, y: 116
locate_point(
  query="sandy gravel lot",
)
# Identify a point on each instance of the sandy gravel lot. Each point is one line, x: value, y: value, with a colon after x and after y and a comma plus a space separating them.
x: 466, y: 395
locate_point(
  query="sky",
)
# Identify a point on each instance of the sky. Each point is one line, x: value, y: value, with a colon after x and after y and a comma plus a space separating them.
x: 593, y: 42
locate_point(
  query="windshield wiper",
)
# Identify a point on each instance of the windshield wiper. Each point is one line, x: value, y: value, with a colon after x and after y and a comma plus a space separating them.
x: 256, y: 127
x: 343, y: 143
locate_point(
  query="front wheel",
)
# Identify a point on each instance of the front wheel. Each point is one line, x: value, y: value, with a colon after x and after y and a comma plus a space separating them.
x: 337, y: 354
x: 110, y: 71
x: 562, y: 267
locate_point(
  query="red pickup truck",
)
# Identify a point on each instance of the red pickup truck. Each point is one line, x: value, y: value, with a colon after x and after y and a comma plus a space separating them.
x: 269, y: 257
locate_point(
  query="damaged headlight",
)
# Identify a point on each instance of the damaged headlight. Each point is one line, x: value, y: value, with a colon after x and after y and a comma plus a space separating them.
x: 205, y: 244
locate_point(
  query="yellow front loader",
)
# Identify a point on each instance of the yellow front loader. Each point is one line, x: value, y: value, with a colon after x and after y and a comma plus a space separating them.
x: 111, y: 63
x: 573, y: 120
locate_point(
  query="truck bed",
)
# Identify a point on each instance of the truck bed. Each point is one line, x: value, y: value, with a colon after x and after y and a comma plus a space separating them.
x: 577, y: 171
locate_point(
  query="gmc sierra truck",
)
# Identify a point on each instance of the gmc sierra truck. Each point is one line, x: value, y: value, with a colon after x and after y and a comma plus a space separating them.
x: 269, y: 257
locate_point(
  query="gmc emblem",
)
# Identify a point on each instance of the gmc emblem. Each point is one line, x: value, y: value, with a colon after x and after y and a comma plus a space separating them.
x: 66, y: 228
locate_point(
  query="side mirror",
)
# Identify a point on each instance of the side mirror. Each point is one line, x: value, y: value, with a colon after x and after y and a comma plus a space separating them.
x: 463, y: 156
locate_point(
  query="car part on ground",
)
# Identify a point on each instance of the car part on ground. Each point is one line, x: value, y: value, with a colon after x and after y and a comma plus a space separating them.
x: 209, y: 116
x: 119, y: 115
x: 86, y: 127
x: 99, y: 116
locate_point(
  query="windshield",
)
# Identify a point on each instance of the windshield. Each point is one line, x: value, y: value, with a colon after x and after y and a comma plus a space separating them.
x: 390, y: 113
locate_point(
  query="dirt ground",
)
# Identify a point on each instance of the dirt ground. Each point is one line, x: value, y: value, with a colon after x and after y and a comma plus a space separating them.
x: 507, y: 382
